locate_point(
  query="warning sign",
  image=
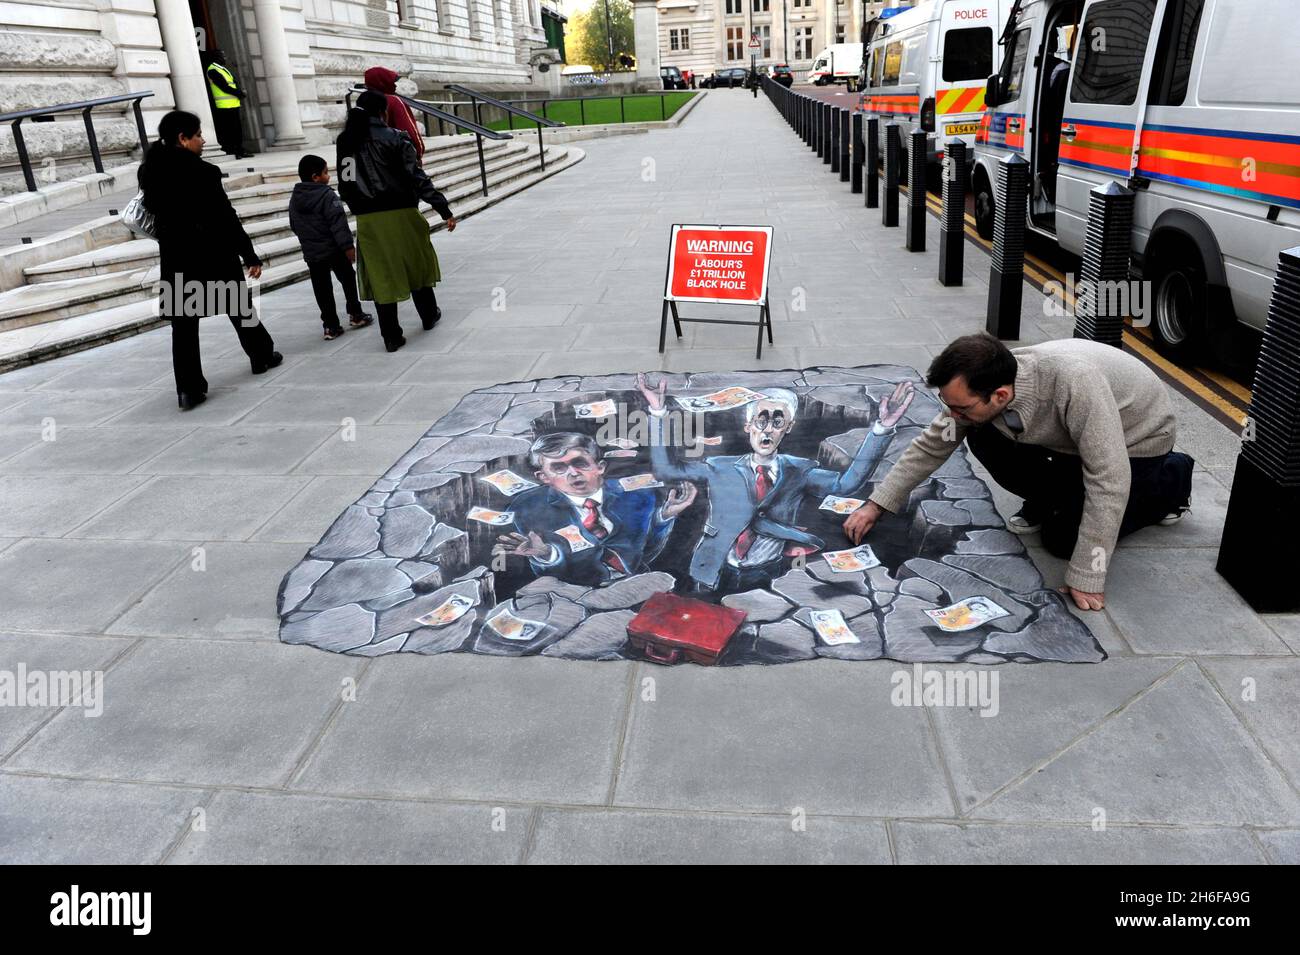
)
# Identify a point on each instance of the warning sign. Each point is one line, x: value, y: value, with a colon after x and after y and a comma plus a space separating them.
x: 724, y: 264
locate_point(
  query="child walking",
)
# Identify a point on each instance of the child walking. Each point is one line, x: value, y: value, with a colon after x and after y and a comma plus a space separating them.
x: 317, y: 218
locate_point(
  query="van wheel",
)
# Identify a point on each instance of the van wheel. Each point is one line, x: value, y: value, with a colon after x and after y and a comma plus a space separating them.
x: 984, y: 207
x: 1180, y: 314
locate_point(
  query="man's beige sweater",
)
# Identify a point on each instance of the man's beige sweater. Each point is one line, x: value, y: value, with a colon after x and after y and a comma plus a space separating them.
x: 1076, y: 397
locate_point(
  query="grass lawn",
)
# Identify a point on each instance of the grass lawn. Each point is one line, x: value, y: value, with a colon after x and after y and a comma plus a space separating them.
x: 588, y: 111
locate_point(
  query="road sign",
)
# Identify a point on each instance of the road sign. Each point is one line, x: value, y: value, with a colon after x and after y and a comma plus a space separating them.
x: 753, y: 41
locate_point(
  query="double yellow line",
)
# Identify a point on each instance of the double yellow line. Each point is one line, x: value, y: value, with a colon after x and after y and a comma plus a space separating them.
x: 1228, y: 400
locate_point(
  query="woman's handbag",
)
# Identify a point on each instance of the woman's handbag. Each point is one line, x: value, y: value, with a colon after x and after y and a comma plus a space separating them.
x: 139, y: 219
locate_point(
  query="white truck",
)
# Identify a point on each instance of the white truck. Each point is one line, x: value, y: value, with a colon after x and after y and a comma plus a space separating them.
x: 1194, y: 105
x: 928, y: 68
x: 838, y: 63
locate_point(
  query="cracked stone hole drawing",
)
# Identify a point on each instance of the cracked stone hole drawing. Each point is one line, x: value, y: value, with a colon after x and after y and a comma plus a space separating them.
x: 678, y: 518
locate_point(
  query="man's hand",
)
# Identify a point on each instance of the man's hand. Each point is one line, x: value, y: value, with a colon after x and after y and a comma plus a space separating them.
x: 517, y: 545
x: 451, y: 224
x: 893, y: 407
x: 862, y: 520
x: 655, y: 398
x: 254, y: 271
x: 679, y: 499
x: 352, y: 255
x: 1084, y: 600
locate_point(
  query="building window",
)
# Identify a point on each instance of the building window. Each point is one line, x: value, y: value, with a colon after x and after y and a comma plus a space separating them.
x: 802, y: 3
x: 803, y: 43
x: 735, y: 43
x: 735, y: 7
x: 839, y: 33
x: 679, y: 39
x: 764, y: 32
x: 761, y: 6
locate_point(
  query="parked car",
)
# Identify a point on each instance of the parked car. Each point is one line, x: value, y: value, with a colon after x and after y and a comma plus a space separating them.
x: 781, y: 73
x: 672, y: 78
x: 730, y: 77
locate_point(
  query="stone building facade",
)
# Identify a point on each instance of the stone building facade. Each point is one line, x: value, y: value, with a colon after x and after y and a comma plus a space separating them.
x: 295, y: 57
x: 708, y: 35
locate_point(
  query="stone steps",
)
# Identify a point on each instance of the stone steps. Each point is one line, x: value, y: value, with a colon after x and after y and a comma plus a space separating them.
x: 271, y: 229
x: 22, y: 345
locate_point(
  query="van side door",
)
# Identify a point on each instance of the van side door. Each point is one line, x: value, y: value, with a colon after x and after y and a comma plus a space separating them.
x: 1108, y: 86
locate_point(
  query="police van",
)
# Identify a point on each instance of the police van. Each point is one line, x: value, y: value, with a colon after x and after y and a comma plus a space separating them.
x: 929, y: 66
x: 838, y: 63
x: 1194, y: 105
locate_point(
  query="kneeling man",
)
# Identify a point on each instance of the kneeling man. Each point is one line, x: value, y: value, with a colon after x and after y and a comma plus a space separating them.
x: 1082, y: 431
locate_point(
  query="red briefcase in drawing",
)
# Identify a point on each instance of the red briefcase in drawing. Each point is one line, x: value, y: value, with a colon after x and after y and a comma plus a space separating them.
x: 670, y: 628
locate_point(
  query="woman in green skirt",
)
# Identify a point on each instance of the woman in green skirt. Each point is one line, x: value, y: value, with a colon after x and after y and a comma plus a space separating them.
x: 382, y: 182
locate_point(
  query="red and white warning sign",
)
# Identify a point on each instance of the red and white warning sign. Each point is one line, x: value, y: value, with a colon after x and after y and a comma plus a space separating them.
x: 717, y: 263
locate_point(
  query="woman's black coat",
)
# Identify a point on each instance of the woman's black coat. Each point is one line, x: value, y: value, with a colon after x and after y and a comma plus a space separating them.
x: 200, y: 237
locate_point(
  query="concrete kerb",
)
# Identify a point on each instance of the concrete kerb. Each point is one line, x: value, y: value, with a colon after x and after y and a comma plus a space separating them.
x: 568, y: 134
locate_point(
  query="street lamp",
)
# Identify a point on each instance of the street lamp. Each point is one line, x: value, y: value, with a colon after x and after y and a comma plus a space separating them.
x: 609, y: 38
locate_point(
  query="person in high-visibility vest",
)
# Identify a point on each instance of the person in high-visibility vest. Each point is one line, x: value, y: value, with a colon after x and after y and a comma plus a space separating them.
x: 227, y: 100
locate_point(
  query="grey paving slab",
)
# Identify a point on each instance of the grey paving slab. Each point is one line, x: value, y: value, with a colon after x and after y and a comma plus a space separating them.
x: 360, y: 369
x: 246, y: 449
x: 937, y: 843
x: 197, y: 712
x: 309, y: 513
x: 76, y: 585
x: 86, y: 822
x: 1171, y: 600
x: 474, y: 370
x: 13, y: 440
x: 75, y: 408
x: 38, y: 505
x: 1040, y: 710
x: 476, y: 727
x: 866, y: 353
x: 606, y: 362
x: 1282, y: 846
x: 1265, y: 695
x: 43, y: 653
x: 518, y: 313
x: 1177, y: 754
x: 103, y: 450
x: 117, y: 373
x: 270, y: 829
x: 368, y: 449
x: 193, y: 508
x: 628, y: 837
x: 328, y: 404
x: 226, y: 404
x: 225, y: 590
x: 1286, y: 626
x: 713, y: 739
x: 1202, y: 526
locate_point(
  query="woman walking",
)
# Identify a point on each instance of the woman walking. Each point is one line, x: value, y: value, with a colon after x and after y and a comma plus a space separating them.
x: 382, y: 182
x: 201, y: 243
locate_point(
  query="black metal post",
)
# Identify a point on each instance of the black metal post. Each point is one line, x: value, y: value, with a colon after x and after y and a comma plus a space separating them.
x: 1102, y: 292
x: 24, y: 160
x: 663, y: 110
x: 92, y: 140
x: 952, y: 226
x: 859, y: 148
x: 828, y: 134
x: 541, y: 148
x: 622, y: 109
x: 916, y: 210
x: 805, y: 121
x: 872, y: 162
x: 582, y: 112
x: 893, y: 157
x: 139, y: 125
x: 835, y: 138
x: 1257, y: 552
x: 1007, y: 273
x: 844, y: 145
x: 482, y: 166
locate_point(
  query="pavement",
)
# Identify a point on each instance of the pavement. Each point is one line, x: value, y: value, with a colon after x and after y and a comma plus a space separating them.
x: 149, y: 544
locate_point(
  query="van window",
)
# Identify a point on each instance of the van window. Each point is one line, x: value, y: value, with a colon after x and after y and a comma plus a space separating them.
x: 968, y: 54
x: 1173, y: 69
x: 1236, y: 38
x: 877, y: 63
x: 893, y: 64
x: 1110, y: 52
x: 1015, y: 59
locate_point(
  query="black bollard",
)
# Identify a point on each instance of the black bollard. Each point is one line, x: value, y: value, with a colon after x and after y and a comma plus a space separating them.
x: 844, y: 145
x: 835, y: 138
x: 952, y: 226
x: 1257, y: 552
x: 893, y: 158
x: 1007, y: 274
x: 828, y: 134
x: 1100, y: 299
x: 916, y: 191
x: 871, y: 160
x: 858, y: 149
x: 819, y: 137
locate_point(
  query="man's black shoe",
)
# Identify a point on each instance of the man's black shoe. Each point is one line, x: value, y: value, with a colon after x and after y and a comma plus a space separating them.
x: 189, y: 402
x: 395, y: 344
x: 261, y: 368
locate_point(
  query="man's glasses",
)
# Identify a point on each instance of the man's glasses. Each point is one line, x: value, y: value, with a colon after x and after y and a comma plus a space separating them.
x: 765, y: 422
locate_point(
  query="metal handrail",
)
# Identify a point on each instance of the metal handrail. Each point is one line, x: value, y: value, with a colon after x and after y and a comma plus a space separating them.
x: 479, y: 98
x: 45, y: 114
x: 442, y: 116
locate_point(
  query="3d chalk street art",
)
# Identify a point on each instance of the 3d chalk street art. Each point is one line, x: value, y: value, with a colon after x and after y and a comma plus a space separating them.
x: 674, y: 518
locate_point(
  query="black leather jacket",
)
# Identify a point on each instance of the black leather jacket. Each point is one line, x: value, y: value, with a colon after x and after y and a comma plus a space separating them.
x: 384, y: 173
